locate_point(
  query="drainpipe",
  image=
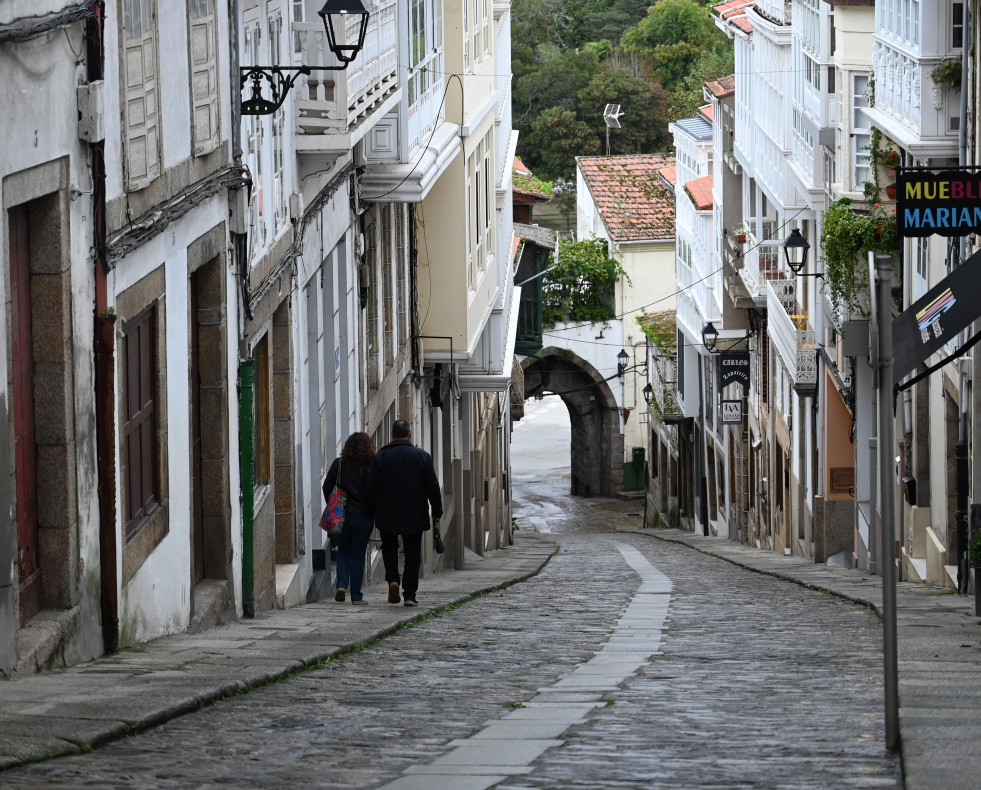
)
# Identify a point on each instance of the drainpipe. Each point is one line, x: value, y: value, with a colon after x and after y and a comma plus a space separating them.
x: 246, y: 374
x: 960, y: 449
x: 105, y: 362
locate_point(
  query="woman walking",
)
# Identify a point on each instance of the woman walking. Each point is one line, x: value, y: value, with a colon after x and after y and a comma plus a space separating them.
x: 357, y: 481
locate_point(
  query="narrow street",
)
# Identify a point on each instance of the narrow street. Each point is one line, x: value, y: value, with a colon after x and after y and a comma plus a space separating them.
x: 628, y: 662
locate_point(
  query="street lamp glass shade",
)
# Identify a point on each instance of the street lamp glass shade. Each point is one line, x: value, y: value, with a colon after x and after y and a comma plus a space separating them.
x: 648, y: 393
x: 709, y: 335
x: 795, y: 248
x: 622, y: 357
x: 335, y: 14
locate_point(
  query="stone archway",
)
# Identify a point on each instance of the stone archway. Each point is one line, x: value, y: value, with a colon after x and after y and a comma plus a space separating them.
x: 597, y: 443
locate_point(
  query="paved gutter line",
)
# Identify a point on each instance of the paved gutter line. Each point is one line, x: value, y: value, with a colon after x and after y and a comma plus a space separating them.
x: 509, y: 745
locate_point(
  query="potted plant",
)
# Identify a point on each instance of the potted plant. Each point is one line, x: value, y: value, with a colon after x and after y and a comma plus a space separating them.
x: 947, y: 74
x: 848, y: 236
x: 891, y: 191
x: 890, y: 158
x: 740, y: 232
x: 974, y: 558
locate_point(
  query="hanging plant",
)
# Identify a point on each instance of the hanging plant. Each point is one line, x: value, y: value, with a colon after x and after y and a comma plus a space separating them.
x: 581, y: 287
x: 847, y: 238
x: 948, y: 74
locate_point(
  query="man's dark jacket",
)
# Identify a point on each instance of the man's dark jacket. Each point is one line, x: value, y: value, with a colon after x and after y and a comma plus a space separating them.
x: 406, y: 487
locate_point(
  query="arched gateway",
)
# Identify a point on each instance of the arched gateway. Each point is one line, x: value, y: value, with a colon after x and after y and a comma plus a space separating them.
x: 597, y: 442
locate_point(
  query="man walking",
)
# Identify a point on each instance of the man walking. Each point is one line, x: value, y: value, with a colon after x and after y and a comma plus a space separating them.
x: 407, y: 488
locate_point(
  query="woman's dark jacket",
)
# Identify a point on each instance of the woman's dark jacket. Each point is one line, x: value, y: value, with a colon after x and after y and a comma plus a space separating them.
x: 357, y: 482
x: 406, y: 488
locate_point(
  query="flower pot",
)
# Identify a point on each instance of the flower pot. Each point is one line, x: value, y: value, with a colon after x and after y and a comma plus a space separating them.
x: 741, y: 238
x: 891, y: 191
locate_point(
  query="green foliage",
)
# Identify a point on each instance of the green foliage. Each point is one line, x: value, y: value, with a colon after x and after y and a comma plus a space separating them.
x: 948, y: 74
x: 675, y: 35
x: 661, y: 329
x: 557, y: 138
x: 711, y: 65
x: 974, y: 549
x: 846, y: 240
x: 530, y: 184
x: 581, y: 287
x: 579, y: 55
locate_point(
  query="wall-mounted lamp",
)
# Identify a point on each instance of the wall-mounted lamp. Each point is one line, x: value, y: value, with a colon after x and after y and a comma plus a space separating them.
x: 622, y: 363
x: 280, y: 79
x: 710, y: 336
x: 648, y: 393
x: 795, y: 248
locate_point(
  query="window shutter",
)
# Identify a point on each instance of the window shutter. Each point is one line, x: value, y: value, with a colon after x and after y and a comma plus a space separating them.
x: 204, y: 77
x: 142, y: 116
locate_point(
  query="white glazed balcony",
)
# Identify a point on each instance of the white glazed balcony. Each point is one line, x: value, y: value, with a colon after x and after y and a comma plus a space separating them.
x: 796, y: 346
x: 332, y: 107
x: 909, y: 106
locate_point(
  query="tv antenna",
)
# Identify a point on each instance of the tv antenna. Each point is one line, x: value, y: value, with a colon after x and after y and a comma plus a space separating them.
x: 611, y: 117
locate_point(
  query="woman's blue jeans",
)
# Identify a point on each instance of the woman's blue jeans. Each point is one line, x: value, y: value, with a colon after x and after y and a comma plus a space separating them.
x: 351, y: 547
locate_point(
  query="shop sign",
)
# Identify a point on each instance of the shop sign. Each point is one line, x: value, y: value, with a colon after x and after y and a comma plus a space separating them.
x: 734, y: 368
x: 935, y: 318
x: 946, y: 203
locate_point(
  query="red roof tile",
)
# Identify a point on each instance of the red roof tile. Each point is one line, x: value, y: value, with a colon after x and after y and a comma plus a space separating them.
x: 669, y: 174
x: 520, y: 166
x: 722, y: 86
x: 743, y: 24
x: 732, y: 8
x: 708, y: 112
x: 634, y: 204
x: 700, y: 192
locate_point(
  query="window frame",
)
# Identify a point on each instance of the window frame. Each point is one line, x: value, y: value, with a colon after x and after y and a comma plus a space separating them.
x: 140, y: 419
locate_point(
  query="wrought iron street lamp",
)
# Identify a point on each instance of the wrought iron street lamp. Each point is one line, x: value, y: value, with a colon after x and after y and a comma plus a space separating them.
x: 280, y: 79
x: 796, y: 249
x: 710, y: 336
x: 648, y: 393
x: 622, y: 363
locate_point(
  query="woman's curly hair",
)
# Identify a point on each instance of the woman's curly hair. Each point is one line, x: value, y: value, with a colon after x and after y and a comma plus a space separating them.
x: 359, y: 448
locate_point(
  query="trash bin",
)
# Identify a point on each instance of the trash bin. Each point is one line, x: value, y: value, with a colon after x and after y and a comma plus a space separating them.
x: 633, y: 471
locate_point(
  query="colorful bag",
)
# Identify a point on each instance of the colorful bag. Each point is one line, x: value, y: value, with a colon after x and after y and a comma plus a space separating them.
x: 332, y: 521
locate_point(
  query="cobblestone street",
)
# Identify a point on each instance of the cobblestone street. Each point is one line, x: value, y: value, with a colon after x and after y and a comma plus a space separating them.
x: 699, y: 674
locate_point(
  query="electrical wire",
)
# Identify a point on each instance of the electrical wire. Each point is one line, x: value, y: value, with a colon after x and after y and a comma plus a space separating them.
x: 691, y: 285
x: 442, y: 101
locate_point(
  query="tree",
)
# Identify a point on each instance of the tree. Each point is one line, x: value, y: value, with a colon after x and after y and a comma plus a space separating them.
x: 556, y: 82
x: 557, y: 137
x: 674, y: 35
x: 643, y: 101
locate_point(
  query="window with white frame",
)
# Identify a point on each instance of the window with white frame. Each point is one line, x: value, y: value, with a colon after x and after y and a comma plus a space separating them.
x: 476, y: 32
x: 922, y: 265
x: 480, y: 213
x: 257, y: 214
x: 297, y: 17
x: 280, y: 196
x: 141, y: 93
x: 204, y: 75
x: 957, y: 26
x: 861, y: 131
x: 426, y: 48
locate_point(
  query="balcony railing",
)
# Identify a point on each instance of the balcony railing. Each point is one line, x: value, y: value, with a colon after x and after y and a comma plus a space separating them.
x: 664, y: 382
x: 793, y: 341
x: 335, y: 102
x: 733, y: 263
x: 761, y: 264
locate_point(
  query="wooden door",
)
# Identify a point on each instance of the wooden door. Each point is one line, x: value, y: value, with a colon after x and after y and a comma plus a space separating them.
x: 197, y: 478
x: 25, y: 449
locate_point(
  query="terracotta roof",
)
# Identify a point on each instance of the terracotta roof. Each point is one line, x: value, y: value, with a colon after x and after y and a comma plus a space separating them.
x: 700, y: 192
x: 632, y: 201
x: 732, y: 8
x: 669, y: 174
x: 722, y: 86
x: 525, y: 186
x: 743, y: 24
x: 707, y: 112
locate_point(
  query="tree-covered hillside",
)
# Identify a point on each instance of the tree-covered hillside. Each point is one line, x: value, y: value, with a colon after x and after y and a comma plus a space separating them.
x: 572, y: 58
